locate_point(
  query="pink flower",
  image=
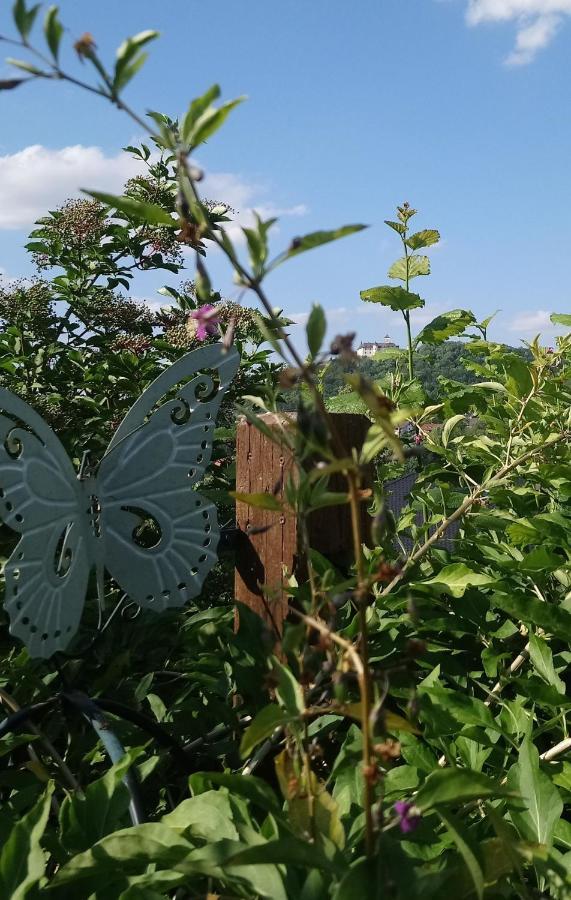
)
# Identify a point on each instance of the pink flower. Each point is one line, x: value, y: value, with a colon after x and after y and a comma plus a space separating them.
x: 206, y: 318
x: 418, y: 439
x: 408, y: 816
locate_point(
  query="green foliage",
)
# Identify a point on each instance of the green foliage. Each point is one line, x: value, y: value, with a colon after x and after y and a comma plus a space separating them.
x: 414, y: 718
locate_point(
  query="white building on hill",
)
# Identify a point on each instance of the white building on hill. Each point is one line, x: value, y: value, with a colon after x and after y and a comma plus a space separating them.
x: 369, y: 348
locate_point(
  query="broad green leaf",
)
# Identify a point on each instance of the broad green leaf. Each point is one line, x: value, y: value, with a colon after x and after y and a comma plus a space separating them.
x: 53, y: 30
x: 313, y: 240
x: 560, y: 318
x: 536, y: 816
x: 448, y: 324
x: 22, y: 859
x: 466, y: 709
x: 207, y: 816
x: 540, y: 559
x: 288, y: 690
x: 552, y: 618
x: 135, y: 209
x: 409, y: 267
x: 315, y: 329
x: 260, y: 500
x: 129, y: 849
x: 468, y: 850
x: 216, y: 861
x: 456, y: 578
x: 85, y: 820
x: 396, y: 226
x: 456, y: 786
x: 425, y: 238
x: 542, y: 659
x: 264, y: 724
x: 394, y: 297
x: 286, y: 851
x: 449, y: 425
x: 253, y: 789
x: 562, y: 834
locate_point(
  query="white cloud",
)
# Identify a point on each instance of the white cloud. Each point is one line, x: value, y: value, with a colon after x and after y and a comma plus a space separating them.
x: 531, y: 322
x: 245, y: 197
x: 536, y: 22
x: 37, y: 178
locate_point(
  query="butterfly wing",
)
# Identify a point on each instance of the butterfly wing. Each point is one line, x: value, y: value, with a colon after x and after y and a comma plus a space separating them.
x: 41, y: 498
x: 158, y: 454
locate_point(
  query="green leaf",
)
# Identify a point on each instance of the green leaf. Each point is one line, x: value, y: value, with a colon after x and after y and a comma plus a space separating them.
x: 53, y: 30
x: 447, y: 325
x: 259, y: 501
x: 315, y: 329
x: 456, y: 786
x: 85, y: 820
x: 456, y: 578
x: 253, y: 789
x: 449, y: 425
x: 129, y: 60
x: 286, y: 851
x: 216, y: 861
x: 396, y: 226
x: 128, y: 850
x: 196, y: 109
x: 394, y: 297
x: 257, y: 239
x: 361, y: 882
x: 466, y: 709
x: 409, y: 267
x: 135, y: 209
x: 24, y: 18
x: 264, y: 724
x: 560, y: 318
x: 207, y: 816
x: 541, y: 808
x: 8, y: 84
x: 542, y: 659
x: 25, y: 66
x: 468, y: 849
x: 22, y: 860
x: 553, y: 619
x: 425, y: 238
x: 313, y: 240
x: 210, y: 121
x: 288, y: 691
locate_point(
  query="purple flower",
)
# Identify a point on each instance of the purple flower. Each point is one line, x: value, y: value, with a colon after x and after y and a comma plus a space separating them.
x: 206, y: 318
x: 408, y: 816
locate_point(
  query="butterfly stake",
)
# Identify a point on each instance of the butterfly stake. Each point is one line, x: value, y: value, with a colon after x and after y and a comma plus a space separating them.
x: 73, y: 523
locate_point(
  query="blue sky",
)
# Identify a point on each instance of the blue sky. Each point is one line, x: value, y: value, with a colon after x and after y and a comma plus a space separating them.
x: 462, y: 108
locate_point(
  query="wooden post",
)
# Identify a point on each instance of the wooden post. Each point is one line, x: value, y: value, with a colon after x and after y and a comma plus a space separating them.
x: 268, y: 546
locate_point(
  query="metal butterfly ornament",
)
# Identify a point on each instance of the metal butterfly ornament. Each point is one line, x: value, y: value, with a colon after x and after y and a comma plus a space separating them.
x: 70, y: 524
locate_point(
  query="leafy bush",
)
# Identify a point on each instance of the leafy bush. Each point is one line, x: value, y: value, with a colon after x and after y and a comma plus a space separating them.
x: 409, y: 737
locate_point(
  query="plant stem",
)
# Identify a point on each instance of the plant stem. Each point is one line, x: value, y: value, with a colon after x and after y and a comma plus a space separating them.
x: 364, y: 678
x: 467, y: 504
x: 409, y: 343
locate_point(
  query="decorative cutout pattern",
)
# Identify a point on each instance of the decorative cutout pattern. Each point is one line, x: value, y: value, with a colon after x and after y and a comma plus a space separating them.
x: 138, y: 516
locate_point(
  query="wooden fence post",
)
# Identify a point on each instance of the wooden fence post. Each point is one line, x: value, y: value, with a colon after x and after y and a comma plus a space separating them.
x: 268, y: 546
